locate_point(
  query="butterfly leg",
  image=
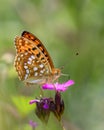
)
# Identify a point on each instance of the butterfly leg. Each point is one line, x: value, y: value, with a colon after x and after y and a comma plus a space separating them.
x: 41, y: 92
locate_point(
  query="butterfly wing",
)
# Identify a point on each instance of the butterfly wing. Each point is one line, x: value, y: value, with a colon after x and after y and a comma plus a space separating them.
x: 39, y: 45
x: 32, y: 61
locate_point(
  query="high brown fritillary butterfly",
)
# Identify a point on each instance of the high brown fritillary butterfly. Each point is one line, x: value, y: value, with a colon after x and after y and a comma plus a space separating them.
x: 33, y: 62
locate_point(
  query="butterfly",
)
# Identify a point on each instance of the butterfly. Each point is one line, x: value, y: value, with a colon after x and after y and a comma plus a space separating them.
x: 33, y: 62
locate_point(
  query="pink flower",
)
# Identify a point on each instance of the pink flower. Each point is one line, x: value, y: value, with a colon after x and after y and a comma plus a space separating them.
x: 45, y: 106
x: 58, y: 87
x: 33, y: 124
x: 44, y: 102
x: 34, y: 101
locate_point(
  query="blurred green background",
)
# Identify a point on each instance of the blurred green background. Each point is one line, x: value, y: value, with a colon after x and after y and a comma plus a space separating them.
x: 66, y: 28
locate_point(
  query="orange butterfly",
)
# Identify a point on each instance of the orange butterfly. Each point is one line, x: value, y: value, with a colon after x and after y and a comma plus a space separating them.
x: 33, y: 62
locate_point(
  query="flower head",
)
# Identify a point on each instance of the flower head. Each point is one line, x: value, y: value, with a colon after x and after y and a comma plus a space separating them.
x: 42, y: 108
x: 57, y: 107
x: 58, y: 87
x: 46, y: 105
x: 33, y: 124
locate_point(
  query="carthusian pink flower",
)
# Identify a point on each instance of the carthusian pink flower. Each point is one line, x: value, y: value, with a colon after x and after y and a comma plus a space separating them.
x: 33, y: 124
x: 58, y: 87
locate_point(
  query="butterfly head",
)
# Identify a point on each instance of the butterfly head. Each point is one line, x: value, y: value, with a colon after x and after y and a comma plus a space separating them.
x: 56, y: 73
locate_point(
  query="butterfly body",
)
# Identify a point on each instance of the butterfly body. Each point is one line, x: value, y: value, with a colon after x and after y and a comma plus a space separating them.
x: 33, y: 62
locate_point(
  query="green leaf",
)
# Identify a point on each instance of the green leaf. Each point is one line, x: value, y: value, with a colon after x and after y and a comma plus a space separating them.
x: 22, y: 104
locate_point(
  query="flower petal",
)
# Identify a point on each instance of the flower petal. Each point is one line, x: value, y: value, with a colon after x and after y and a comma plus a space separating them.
x: 58, y: 87
x: 46, y: 106
x: 34, y: 101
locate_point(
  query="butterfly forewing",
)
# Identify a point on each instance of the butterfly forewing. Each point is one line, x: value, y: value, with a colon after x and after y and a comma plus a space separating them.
x: 39, y: 45
x: 32, y: 61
